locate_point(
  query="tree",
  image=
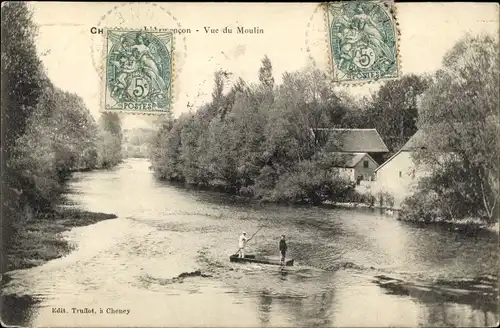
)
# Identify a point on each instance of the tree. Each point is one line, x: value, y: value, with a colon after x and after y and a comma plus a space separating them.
x: 60, y: 136
x: 266, y: 73
x: 23, y: 80
x: 164, y: 151
x: 47, y: 132
x: 393, y: 110
x: 459, y: 114
x: 110, y: 140
x: 255, y: 139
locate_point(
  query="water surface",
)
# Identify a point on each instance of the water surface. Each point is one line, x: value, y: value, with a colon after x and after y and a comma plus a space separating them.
x: 353, y: 267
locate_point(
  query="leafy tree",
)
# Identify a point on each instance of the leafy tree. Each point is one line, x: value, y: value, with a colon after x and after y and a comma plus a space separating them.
x: 393, y: 110
x: 266, y: 73
x: 257, y: 142
x: 189, y: 150
x: 110, y: 140
x: 23, y: 80
x: 47, y: 132
x: 165, y: 152
x: 459, y: 114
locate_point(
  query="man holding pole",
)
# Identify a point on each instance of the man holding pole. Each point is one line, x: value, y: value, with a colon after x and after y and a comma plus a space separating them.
x: 241, y: 244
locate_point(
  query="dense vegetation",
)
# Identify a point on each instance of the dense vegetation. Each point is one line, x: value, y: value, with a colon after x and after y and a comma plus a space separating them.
x: 460, y: 116
x: 47, y: 132
x: 255, y: 140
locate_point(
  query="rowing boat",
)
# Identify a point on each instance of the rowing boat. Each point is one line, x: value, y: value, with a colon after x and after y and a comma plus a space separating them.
x: 260, y: 259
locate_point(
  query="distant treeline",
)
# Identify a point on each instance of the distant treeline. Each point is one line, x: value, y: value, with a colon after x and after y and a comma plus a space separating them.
x: 136, y: 142
x: 46, y: 132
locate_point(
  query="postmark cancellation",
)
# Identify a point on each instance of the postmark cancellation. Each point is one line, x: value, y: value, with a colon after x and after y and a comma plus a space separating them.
x: 138, y: 71
x: 363, y: 41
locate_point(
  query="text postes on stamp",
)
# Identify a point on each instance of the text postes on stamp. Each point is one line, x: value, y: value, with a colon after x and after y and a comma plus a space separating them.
x: 138, y: 71
x: 363, y: 41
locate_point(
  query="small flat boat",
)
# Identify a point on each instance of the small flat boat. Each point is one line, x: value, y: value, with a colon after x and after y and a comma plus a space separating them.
x: 272, y: 260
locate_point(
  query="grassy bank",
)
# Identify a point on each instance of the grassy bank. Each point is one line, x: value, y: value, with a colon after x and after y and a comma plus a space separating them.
x: 39, y: 240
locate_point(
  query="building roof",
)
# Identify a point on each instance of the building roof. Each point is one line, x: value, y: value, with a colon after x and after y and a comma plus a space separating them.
x: 422, y: 139
x: 416, y: 142
x: 354, y: 140
x: 350, y: 160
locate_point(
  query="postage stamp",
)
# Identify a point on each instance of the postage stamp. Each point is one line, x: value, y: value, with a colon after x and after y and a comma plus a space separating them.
x: 138, y: 71
x: 363, y: 41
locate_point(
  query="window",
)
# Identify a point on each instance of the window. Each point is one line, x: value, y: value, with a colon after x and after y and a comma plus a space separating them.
x: 365, y: 164
x: 400, y: 174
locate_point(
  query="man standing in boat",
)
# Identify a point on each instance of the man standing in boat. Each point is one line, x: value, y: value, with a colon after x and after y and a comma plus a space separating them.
x: 241, y: 244
x: 282, y: 250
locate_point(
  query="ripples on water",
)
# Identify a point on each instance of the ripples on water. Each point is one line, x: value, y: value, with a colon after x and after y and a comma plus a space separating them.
x: 353, y: 267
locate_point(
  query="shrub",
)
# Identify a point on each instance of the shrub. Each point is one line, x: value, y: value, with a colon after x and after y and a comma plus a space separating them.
x: 385, y: 199
x: 423, y: 207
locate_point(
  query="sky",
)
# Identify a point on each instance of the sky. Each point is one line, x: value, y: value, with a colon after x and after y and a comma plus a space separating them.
x: 294, y: 37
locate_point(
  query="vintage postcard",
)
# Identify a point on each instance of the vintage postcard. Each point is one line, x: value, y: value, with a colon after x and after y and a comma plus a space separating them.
x: 250, y: 164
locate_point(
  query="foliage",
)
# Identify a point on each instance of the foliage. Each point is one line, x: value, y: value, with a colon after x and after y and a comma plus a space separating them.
x: 23, y: 80
x: 459, y: 115
x: 47, y: 132
x: 422, y: 207
x: 385, y: 199
x: 392, y: 110
x: 59, y: 138
x: 135, y: 142
x: 109, y: 145
x: 255, y: 139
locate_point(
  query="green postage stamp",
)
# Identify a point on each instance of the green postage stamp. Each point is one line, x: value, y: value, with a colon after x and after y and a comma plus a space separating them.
x: 362, y: 41
x: 138, y: 71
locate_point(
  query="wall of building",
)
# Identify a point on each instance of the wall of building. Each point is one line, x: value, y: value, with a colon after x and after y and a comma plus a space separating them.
x: 398, y: 177
x: 368, y: 173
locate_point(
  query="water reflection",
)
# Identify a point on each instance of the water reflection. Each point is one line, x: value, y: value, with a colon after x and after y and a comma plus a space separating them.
x: 299, y: 311
x: 265, y: 301
x: 469, y: 302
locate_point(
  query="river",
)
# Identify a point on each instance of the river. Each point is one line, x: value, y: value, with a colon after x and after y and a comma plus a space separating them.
x: 353, y: 267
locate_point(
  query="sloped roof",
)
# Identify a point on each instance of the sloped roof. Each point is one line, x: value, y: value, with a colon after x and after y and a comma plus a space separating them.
x: 350, y: 160
x: 425, y: 138
x: 422, y: 139
x: 355, y: 140
x: 416, y: 142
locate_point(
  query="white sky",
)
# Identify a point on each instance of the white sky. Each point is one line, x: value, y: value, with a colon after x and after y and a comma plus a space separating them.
x: 66, y: 45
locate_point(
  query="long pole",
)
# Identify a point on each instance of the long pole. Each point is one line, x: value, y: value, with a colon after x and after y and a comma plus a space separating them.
x: 254, y: 234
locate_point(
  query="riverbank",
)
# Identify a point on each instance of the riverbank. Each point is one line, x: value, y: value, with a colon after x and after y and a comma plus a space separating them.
x: 375, y: 202
x: 40, y: 239
x: 468, y: 224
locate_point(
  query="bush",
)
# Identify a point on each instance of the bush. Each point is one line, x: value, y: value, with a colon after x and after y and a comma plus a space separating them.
x: 425, y: 207
x: 307, y: 183
x: 389, y: 200
x: 385, y: 199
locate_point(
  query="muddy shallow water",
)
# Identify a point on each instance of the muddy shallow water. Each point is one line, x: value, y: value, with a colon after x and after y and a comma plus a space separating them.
x: 352, y: 267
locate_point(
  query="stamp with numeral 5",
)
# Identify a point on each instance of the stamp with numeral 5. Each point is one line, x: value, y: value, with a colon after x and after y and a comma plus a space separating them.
x: 138, y: 71
x: 363, y: 41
